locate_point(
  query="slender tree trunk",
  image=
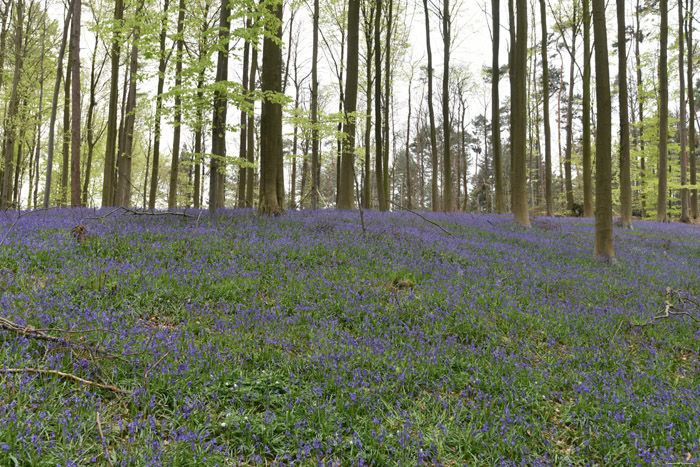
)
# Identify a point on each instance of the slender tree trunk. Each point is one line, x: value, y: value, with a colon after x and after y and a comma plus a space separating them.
x: 663, y: 116
x: 75, y: 194
x: 603, y: 249
x: 94, y: 78
x: 435, y: 200
x: 198, y: 136
x: 315, y: 156
x: 495, y: 109
x: 40, y: 111
x: 640, y: 100
x: 218, y: 125
x: 682, y: 124
x: 366, y: 179
x: 250, y: 130
x: 54, y: 105
x: 569, y: 124
x: 110, y: 159
x: 409, y: 185
x: 379, y: 160
x: 65, y: 163
x: 271, y: 175
x: 6, y: 13
x: 691, y: 105
x: 388, y: 115
x: 625, y: 177
x: 586, y: 117
x: 162, y: 64
x: 126, y: 155
x: 548, y: 196
x: 448, y: 201
x: 244, y: 117
x: 347, y: 169
x: 175, y: 164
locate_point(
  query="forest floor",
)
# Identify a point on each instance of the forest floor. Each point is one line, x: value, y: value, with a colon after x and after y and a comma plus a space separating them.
x: 307, y: 340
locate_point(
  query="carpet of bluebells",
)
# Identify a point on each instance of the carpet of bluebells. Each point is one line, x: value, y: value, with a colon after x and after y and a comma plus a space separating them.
x: 304, y: 340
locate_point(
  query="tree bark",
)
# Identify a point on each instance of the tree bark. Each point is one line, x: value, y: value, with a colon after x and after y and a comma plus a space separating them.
x: 548, y: 196
x: 663, y: 116
x: 271, y: 175
x: 218, y: 125
x: 75, y: 194
x: 175, y: 164
x: 409, y: 185
x: 640, y: 101
x: 625, y: 177
x: 315, y: 156
x: 448, y: 196
x: 110, y: 149
x: 250, y: 130
x: 519, y: 122
x: 569, y: 123
x: 586, y: 117
x: 242, y: 171
x: 691, y: 105
x: 496, y: 107
x: 683, y: 117
x: 347, y: 169
x: 603, y: 249
x: 379, y: 169
x: 435, y: 200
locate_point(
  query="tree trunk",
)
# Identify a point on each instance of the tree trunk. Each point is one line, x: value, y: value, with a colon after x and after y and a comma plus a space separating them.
x: 640, y: 100
x: 379, y: 170
x: 691, y: 105
x: 409, y: 185
x: 682, y: 124
x: 162, y: 64
x: 271, y: 175
x: 603, y: 249
x: 435, y: 201
x: 663, y: 116
x: 586, y: 111
x: 387, y: 103
x: 126, y: 155
x: 315, y: 156
x: 366, y: 179
x: 519, y: 119
x: 218, y: 125
x: 495, y: 109
x: 110, y: 149
x: 569, y: 124
x: 75, y: 194
x: 250, y: 130
x: 448, y: 200
x: 347, y: 169
x: 91, y: 142
x: 625, y: 177
x: 548, y: 196
x: 175, y: 164
x: 198, y: 136
x: 65, y: 162
x: 244, y: 117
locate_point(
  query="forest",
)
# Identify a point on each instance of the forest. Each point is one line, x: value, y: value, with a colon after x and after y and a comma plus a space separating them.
x: 349, y: 233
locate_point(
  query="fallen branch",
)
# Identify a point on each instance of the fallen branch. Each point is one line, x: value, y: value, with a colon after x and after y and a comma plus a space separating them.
x: 423, y: 217
x: 141, y: 213
x: 32, y: 333
x: 102, y: 437
x: 67, y: 376
x: 670, y: 309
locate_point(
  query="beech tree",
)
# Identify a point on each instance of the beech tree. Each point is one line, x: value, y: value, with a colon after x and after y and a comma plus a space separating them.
x: 519, y: 117
x: 663, y: 115
x: 625, y: 180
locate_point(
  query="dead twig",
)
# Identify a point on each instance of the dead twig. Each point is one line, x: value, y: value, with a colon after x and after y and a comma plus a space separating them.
x: 67, y: 376
x: 670, y: 309
x: 422, y: 217
x: 102, y: 437
x: 148, y: 370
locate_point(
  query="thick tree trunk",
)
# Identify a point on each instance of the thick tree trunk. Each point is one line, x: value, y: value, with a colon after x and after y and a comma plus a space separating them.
x: 75, y: 194
x: 110, y: 149
x: 663, y: 116
x: 10, y: 130
x: 625, y: 176
x: 271, y: 175
x: 603, y: 249
x: 519, y: 119
x: 347, y: 168
x: 435, y: 195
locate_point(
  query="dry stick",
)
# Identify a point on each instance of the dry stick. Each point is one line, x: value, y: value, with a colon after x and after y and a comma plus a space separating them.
x: 359, y: 204
x: 153, y: 213
x: 145, y: 375
x: 105, y: 215
x: 67, y: 376
x: 102, y: 437
x: 422, y: 217
x: 32, y: 333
